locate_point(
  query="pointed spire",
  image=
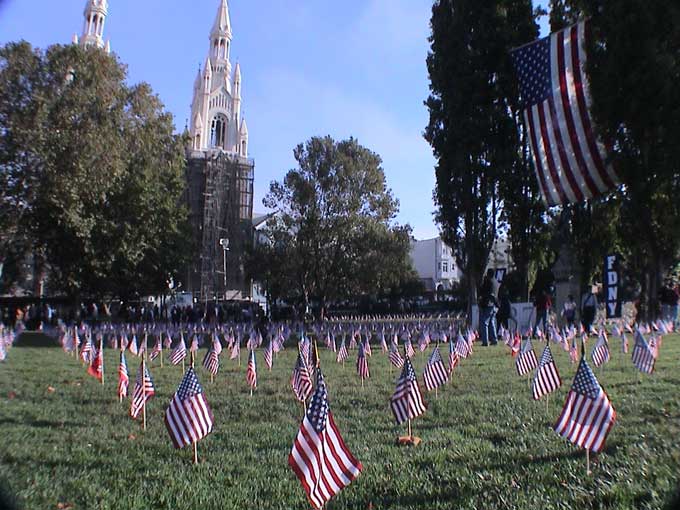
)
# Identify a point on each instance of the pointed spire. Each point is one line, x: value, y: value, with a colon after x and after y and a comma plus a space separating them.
x: 244, y: 128
x: 222, y: 25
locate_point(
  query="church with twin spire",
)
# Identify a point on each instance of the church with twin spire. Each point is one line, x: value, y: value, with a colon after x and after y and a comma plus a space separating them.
x: 219, y: 172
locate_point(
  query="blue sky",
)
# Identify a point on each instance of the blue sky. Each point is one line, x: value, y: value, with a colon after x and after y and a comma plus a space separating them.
x: 310, y: 67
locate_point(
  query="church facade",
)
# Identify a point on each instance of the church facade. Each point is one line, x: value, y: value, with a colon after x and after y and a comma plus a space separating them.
x: 219, y: 173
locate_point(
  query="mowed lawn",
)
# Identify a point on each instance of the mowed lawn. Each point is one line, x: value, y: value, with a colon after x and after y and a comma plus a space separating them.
x: 65, y: 440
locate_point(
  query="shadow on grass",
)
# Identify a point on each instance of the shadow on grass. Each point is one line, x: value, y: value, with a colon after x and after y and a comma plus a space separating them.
x: 43, y: 424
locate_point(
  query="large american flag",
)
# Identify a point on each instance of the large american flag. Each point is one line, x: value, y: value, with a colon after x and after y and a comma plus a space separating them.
x: 407, y: 402
x: 547, y: 378
x: 143, y: 391
x: 301, y: 381
x: 644, y: 357
x: 570, y: 162
x: 435, y: 373
x: 588, y: 415
x: 319, y: 457
x: 188, y: 418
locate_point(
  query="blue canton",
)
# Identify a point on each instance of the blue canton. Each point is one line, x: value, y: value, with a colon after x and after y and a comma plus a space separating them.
x: 189, y: 386
x: 408, y: 373
x: 532, y: 63
x: 585, y: 382
x: 318, y: 407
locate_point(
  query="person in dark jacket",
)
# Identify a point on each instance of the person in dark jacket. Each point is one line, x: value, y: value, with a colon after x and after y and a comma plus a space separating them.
x: 488, y: 301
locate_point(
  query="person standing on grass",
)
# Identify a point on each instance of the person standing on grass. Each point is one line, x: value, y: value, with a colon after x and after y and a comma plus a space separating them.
x: 569, y: 311
x: 588, y: 309
x: 488, y: 301
x: 543, y: 303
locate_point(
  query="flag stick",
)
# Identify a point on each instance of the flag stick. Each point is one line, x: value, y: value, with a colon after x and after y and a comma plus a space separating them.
x: 436, y: 394
x: 251, y: 391
x: 183, y: 369
x: 144, y: 391
x: 547, y: 399
x: 101, y: 350
x: 161, y: 353
x: 195, y: 452
x: 410, y: 434
x: 588, y: 472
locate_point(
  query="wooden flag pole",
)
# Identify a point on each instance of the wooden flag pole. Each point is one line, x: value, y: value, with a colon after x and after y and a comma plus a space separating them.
x: 410, y: 432
x: 195, y: 452
x: 161, y: 353
x: 212, y: 378
x: 183, y: 369
x: 588, y: 472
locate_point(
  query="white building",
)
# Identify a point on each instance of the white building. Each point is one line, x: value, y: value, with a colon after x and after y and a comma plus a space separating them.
x: 434, y: 263
x: 93, y: 26
x: 216, y: 121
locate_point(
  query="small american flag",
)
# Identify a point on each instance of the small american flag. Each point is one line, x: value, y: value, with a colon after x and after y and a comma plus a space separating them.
x: 573, y: 350
x: 319, y: 457
x: 409, y: 348
x: 624, y: 343
x: 462, y: 347
x: 407, y: 402
x: 123, y: 377
x: 362, y: 362
x: 301, y: 381
x: 134, y: 348
x: 179, y: 353
x: 526, y: 360
x: 96, y: 368
x: 395, y: 357
x: 588, y: 415
x: 236, y: 349
x: 143, y: 391
x: 251, y: 371
x: 383, y: 343
x: 600, y: 353
x: 453, y: 355
x: 211, y: 362
x: 167, y: 343
x: 194, y: 345
x: 157, y: 349
x: 188, y: 418
x: 547, y: 379
x: 644, y: 357
x: 435, y: 373
x: 342, y: 352
x: 269, y: 355
x: 86, y: 351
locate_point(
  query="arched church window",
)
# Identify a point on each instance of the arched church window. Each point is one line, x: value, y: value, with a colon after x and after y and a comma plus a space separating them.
x: 243, y: 148
x: 218, y: 132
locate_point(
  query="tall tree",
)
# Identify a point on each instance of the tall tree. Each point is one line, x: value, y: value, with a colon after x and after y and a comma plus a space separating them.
x: 334, y: 223
x: 471, y: 129
x: 99, y: 166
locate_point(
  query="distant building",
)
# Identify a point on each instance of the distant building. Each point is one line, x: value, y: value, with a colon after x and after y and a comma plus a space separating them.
x: 435, y: 265
x: 219, y: 174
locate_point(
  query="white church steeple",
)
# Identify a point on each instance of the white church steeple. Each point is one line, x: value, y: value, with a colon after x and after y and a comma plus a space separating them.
x: 216, y: 123
x: 93, y: 26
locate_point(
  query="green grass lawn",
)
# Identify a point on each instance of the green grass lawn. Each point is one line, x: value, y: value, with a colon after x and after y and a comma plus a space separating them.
x: 486, y: 443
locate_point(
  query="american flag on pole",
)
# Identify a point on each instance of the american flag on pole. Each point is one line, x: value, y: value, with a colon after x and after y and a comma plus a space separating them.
x: 342, y: 352
x: 268, y: 355
x: 123, y: 377
x: 588, y: 415
x: 407, y: 402
x: 362, y: 362
x: 547, y: 379
x: 301, y: 380
x: 251, y: 371
x: 179, y: 353
x: 435, y: 373
x: 188, y: 418
x: 409, y: 348
x: 600, y: 353
x: 319, y: 457
x: 211, y: 362
x: 526, y: 360
x: 570, y: 162
x: 143, y: 391
x: 157, y: 349
x: 644, y: 357
x: 454, y: 358
x: 462, y: 346
x: 395, y: 356
x: 96, y: 368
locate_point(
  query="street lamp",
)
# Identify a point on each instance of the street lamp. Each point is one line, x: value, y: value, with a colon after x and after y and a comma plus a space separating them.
x: 224, y: 243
